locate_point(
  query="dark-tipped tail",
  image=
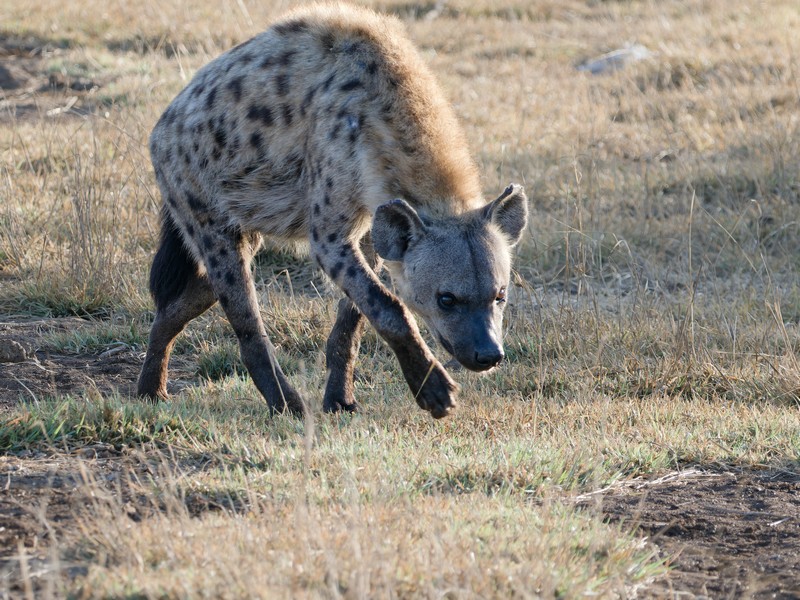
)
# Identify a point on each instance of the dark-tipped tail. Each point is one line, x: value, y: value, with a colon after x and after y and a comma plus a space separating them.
x: 173, y: 266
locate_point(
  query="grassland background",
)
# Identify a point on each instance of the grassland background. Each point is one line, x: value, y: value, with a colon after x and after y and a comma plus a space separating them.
x: 652, y: 325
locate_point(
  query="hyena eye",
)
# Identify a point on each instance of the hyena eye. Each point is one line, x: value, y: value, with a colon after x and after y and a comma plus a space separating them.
x: 447, y: 301
x: 501, y: 296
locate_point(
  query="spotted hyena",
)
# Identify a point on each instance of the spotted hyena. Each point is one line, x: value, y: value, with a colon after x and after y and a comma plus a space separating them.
x: 328, y: 127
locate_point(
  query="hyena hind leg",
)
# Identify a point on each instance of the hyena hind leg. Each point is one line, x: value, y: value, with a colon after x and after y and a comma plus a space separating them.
x: 341, y: 350
x: 340, y: 355
x: 180, y: 295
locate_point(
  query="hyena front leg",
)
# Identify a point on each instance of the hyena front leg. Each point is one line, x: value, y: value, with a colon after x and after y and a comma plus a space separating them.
x: 227, y: 257
x: 432, y: 387
x: 342, y: 347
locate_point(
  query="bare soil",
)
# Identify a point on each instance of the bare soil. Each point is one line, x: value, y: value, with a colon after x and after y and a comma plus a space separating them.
x: 28, y: 90
x: 725, y: 534
x: 44, y: 373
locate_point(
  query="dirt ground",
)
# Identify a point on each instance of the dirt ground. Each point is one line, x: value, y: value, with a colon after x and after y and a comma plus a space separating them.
x: 724, y: 534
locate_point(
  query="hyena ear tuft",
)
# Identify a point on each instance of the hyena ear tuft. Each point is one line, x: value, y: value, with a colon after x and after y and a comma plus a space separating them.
x: 509, y: 212
x: 395, y: 227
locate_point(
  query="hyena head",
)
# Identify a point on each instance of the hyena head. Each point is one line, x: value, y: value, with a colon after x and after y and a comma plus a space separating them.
x: 454, y: 272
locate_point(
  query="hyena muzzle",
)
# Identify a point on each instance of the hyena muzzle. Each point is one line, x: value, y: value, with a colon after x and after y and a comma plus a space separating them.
x: 328, y: 127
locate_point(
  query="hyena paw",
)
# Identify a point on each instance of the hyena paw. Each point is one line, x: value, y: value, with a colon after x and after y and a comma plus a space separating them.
x: 291, y: 402
x: 339, y: 402
x: 438, y: 392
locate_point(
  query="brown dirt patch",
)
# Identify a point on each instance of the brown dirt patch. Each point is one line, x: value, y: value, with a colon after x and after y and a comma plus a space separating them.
x: 29, y: 91
x: 724, y: 535
x: 44, y: 373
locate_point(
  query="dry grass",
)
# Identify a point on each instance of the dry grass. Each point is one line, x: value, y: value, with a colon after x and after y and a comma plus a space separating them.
x: 653, y: 324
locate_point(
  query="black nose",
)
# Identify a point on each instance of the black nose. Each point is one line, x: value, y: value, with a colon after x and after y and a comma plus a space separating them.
x: 489, y: 358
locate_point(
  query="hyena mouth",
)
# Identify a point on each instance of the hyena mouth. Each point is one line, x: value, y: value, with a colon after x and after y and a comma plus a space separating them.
x: 446, y: 345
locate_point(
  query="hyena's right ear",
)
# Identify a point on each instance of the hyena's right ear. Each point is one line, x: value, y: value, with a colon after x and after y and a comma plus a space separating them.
x: 395, y: 227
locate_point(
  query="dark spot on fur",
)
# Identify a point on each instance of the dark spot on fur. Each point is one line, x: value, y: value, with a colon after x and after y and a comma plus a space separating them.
x: 195, y: 147
x: 203, y: 162
x: 216, y: 153
x: 344, y: 251
x: 208, y: 242
x: 257, y: 141
x: 282, y: 84
x: 212, y: 95
x: 351, y: 85
x: 190, y: 230
x: 408, y: 147
x: 223, y: 252
x: 327, y: 83
x: 171, y: 201
x: 198, y: 89
x: 267, y: 62
x: 334, y: 132
x: 332, y: 237
x: 246, y: 59
x: 316, y: 209
x: 213, y: 261
x: 287, y: 114
x: 327, y: 200
x: 323, y: 248
x: 314, y: 234
x: 286, y: 58
x: 297, y: 26
x: 260, y: 113
x: 372, y: 67
x: 351, y: 47
x: 327, y: 40
x: 328, y: 182
x: 220, y: 137
x: 229, y: 278
x: 336, y: 269
x: 195, y: 203
x: 351, y: 271
x: 235, y: 87
x: 167, y: 118
x: 223, y: 299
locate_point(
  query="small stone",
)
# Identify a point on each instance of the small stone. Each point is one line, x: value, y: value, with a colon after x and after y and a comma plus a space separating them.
x: 12, y: 351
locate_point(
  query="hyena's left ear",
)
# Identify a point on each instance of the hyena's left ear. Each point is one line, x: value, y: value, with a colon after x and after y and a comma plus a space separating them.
x: 395, y: 227
x: 509, y: 212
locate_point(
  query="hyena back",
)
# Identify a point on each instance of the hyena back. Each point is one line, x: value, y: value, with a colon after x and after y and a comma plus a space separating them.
x: 329, y: 128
